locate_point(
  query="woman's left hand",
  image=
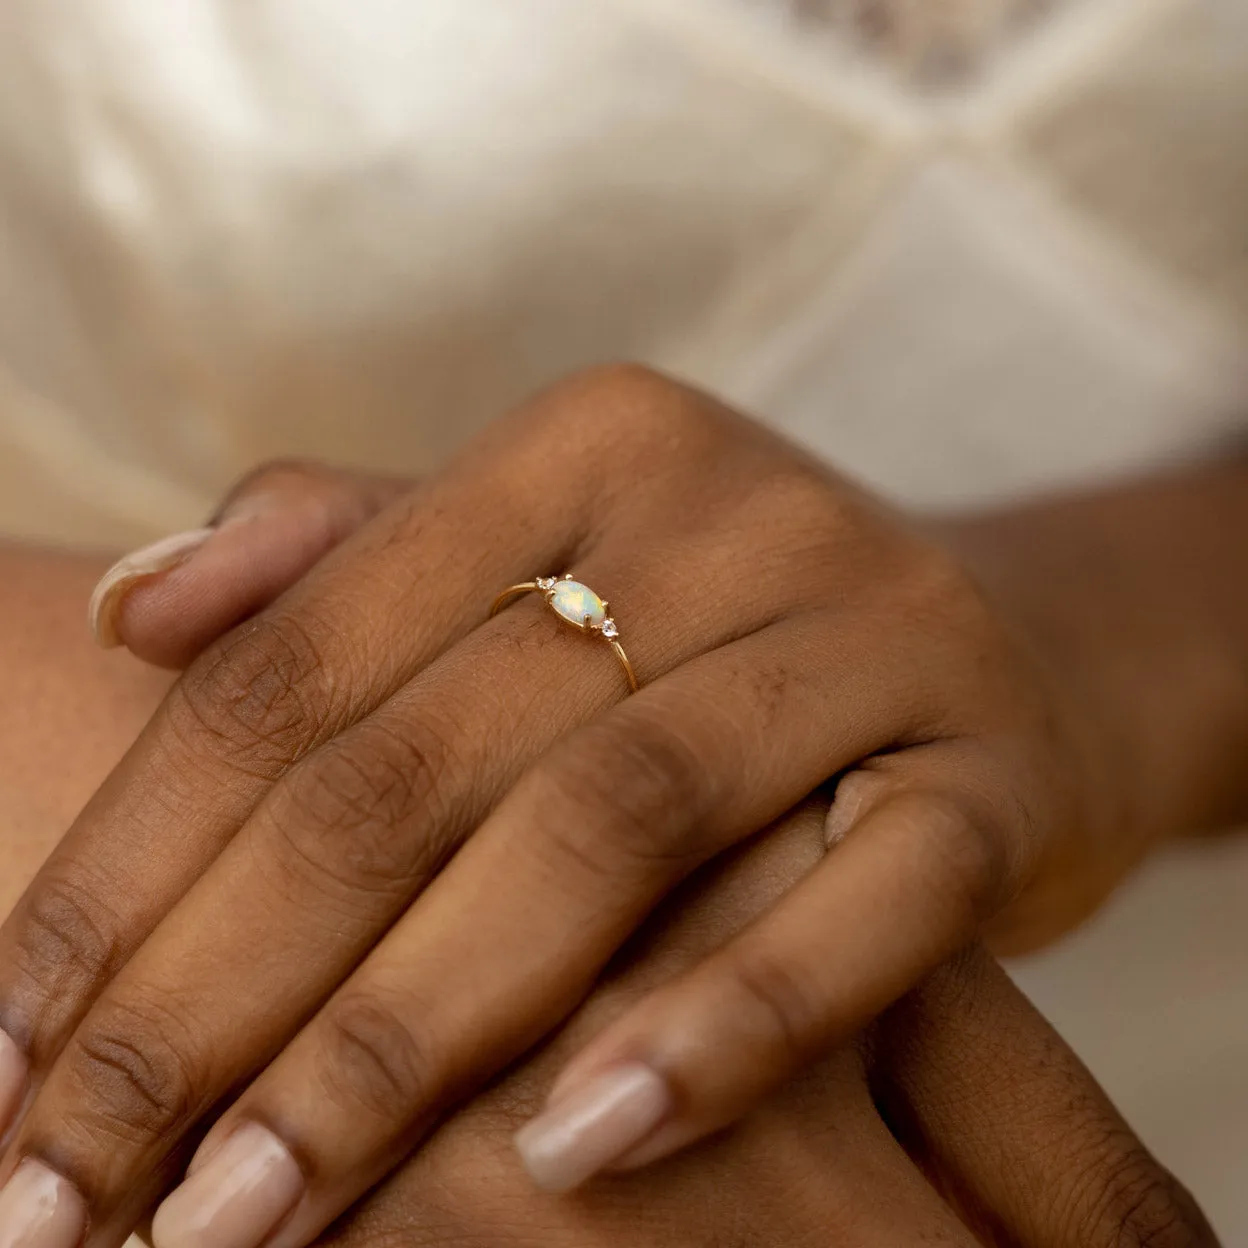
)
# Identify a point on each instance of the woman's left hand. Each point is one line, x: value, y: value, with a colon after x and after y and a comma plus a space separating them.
x: 375, y: 845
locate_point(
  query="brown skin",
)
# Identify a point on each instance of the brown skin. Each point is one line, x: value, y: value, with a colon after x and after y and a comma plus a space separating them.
x: 1140, y: 594
x: 827, y: 636
x: 69, y: 710
x: 988, y: 1101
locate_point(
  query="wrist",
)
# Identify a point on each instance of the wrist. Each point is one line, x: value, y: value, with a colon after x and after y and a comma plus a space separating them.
x: 1136, y: 600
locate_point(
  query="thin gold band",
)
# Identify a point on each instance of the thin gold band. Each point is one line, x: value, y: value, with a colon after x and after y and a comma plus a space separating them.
x: 548, y: 587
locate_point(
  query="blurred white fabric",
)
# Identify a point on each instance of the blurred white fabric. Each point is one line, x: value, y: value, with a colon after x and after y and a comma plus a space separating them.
x: 230, y: 228
x: 968, y: 250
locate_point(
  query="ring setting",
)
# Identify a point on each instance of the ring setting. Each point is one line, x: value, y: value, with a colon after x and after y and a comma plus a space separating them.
x: 578, y: 605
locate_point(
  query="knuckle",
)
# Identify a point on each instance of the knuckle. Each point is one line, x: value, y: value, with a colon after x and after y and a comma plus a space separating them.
x: 276, y: 472
x: 371, y: 1059
x: 332, y: 502
x: 643, y: 789
x: 965, y: 849
x: 367, y: 810
x: 634, y: 402
x: 137, y: 1072
x: 777, y: 1001
x: 258, y: 698
x: 804, y: 501
x: 1133, y: 1202
x: 937, y: 580
x: 622, y: 382
x: 946, y: 608
x: 930, y: 594
x: 66, y: 942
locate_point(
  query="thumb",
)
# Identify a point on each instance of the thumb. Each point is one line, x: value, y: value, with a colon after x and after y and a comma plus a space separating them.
x: 166, y: 602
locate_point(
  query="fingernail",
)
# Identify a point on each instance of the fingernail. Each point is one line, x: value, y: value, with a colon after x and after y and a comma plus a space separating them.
x: 121, y: 578
x: 586, y: 1130
x: 850, y: 801
x: 39, y: 1209
x: 14, y: 1071
x: 236, y: 1198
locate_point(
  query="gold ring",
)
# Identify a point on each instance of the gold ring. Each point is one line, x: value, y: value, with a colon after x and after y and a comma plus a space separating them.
x: 579, y: 606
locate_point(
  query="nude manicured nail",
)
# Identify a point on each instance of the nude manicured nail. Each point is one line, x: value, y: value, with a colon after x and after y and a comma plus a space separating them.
x: 14, y: 1071
x: 235, y: 1199
x: 585, y: 1130
x: 122, y: 577
x: 39, y: 1209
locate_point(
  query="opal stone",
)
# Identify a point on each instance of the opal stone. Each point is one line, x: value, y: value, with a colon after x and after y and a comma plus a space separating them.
x: 575, y: 601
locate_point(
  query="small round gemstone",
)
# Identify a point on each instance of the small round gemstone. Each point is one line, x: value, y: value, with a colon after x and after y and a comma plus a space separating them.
x: 545, y: 582
x: 577, y: 603
x: 609, y: 629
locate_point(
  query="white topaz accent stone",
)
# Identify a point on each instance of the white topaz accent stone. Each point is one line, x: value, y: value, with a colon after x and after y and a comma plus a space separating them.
x: 575, y: 601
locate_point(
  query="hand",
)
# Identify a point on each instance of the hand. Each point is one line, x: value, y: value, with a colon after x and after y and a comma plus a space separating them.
x: 990, y: 1105
x: 1004, y: 1137
x: 262, y: 865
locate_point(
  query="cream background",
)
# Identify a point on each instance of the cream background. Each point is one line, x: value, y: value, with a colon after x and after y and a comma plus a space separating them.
x: 970, y: 249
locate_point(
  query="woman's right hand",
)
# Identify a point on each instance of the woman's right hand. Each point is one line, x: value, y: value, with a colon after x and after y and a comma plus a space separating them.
x: 961, y: 1118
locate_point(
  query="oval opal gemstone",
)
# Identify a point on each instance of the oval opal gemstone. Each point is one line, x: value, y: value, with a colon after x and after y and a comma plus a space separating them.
x: 575, y: 601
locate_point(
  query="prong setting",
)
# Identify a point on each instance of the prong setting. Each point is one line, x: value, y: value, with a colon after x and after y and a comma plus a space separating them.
x: 576, y: 604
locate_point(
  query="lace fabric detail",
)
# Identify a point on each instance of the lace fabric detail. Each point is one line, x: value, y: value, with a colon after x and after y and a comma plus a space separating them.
x: 929, y: 42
